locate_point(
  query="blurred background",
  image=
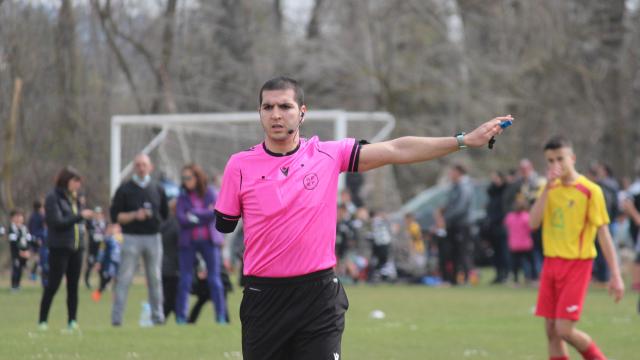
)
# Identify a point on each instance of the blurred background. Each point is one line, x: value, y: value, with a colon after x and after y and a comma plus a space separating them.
x: 438, y: 66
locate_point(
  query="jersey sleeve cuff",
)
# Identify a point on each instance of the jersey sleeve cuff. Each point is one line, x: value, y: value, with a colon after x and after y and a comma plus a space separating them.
x: 354, y: 159
x: 226, y: 223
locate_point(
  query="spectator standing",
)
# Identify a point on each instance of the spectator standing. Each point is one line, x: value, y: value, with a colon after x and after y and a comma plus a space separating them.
x: 527, y: 184
x: 195, y: 214
x: 493, y: 227
x: 96, y: 229
x: 457, y: 212
x: 170, y: 230
x: 602, y: 176
x: 200, y: 289
x: 445, y: 255
x: 382, y: 237
x: 108, y: 259
x: 418, y: 248
x: 65, y: 219
x: 20, y: 245
x: 345, y: 234
x: 520, y: 241
x: 37, y: 230
x: 139, y: 206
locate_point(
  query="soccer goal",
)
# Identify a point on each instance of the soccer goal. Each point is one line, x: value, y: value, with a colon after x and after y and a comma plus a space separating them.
x: 209, y: 139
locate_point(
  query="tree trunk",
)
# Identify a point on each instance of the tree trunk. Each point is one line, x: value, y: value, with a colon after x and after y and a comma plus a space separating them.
x: 167, y: 52
x: 313, y: 29
x: 10, y: 139
x: 66, y: 63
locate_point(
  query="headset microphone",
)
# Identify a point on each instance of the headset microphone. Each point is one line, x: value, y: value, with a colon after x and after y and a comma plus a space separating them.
x: 291, y: 131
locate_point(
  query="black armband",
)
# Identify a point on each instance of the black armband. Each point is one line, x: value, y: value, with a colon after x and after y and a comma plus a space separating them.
x: 226, y: 223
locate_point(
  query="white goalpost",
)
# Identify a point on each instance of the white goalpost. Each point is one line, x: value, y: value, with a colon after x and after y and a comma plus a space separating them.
x: 209, y: 139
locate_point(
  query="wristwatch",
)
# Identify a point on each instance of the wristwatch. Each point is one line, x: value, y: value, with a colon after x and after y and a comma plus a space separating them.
x: 460, y: 139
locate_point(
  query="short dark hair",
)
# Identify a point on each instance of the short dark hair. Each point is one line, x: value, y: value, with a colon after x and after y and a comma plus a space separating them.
x: 16, y: 211
x: 558, y: 142
x: 283, y: 83
x: 37, y: 205
x: 65, y: 175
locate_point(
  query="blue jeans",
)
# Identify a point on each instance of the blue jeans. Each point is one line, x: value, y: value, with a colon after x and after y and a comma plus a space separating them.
x: 213, y: 258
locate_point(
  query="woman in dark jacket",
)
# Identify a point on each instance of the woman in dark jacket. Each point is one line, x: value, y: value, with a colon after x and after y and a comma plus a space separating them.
x: 198, y: 233
x: 64, y: 217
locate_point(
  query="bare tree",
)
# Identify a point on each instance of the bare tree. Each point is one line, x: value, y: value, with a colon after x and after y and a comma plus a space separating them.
x: 164, y: 98
x: 313, y: 28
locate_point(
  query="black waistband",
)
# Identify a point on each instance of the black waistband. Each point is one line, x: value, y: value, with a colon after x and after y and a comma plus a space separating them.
x: 255, y: 280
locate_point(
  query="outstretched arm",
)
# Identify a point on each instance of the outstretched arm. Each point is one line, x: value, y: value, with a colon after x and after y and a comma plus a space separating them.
x: 412, y: 149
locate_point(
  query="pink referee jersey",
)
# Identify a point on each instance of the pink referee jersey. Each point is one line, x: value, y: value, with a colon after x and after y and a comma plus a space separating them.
x: 288, y: 204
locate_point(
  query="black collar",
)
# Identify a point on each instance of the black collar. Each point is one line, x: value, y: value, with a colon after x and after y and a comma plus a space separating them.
x: 264, y: 146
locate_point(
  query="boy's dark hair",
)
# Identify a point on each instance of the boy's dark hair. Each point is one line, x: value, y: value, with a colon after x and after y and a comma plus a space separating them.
x: 37, y: 205
x: 283, y: 83
x: 16, y: 211
x: 558, y: 142
x: 65, y: 175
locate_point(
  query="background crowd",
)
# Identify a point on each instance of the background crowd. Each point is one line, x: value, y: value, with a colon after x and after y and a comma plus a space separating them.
x: 183, y: 253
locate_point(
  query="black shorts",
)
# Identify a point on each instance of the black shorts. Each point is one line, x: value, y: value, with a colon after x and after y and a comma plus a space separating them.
x: 293, y: 318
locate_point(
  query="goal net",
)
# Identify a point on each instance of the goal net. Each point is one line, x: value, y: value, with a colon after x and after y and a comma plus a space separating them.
x: 209, y: 139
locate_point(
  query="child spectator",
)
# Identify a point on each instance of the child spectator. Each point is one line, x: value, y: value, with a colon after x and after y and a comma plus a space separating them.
x: 96, y: 229
x: 418, y: 251
x: 20, y: 243
x: 200, y: 288
x: 520, y: 240
x: 108, y: 259
x: 37, y: 230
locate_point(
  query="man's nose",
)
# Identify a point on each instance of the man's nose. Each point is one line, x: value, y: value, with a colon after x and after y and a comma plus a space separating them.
x: 276, y: 113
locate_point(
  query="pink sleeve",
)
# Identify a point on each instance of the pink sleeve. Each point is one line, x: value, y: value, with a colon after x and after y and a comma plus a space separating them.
x: 228, y: 202
x: 348, y: 154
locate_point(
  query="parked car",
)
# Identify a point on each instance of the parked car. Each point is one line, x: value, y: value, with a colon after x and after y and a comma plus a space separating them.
x: 424, y: 204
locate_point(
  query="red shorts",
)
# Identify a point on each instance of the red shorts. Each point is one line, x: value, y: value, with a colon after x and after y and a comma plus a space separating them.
x: 563, y: 287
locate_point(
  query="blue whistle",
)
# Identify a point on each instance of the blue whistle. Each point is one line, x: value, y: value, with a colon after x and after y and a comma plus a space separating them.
x: 505, y: 124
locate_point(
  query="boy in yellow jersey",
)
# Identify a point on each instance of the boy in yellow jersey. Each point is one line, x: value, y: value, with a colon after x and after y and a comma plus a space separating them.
x: 571, y: 210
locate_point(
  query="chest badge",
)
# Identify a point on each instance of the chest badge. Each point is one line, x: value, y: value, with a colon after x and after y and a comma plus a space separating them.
x: 284, y: 171
x: 310, y: 181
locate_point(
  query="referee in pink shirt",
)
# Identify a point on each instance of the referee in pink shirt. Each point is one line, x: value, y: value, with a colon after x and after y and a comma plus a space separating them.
x: 285, y: 189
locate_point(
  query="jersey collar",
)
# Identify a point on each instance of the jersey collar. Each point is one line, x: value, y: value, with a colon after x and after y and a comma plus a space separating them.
x: 264, y: 146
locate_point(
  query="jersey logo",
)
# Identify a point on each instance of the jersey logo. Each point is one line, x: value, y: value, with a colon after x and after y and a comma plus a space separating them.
x: 284, y: 171
x: 572, y: 308
x: 557, y: 219
x: 310, y: 181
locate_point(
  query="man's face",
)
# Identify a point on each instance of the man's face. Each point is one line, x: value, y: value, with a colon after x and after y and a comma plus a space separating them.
x: 142, y: 165
x: 563, y: 159
x: 279, y: 112
x: 526, y: 168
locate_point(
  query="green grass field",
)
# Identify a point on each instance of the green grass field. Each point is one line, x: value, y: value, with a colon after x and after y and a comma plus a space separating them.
x: 482, y: 322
